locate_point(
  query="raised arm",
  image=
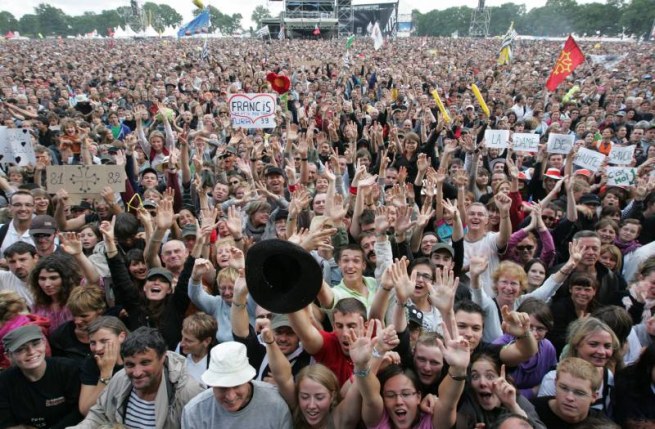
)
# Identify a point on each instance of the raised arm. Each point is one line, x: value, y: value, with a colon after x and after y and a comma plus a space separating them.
x: 525, y: 346
x: 456, y: 353
x: 70, y: 242
x: 311, y: 338
x: 504, y: 202
x: 163, y: 222
x: 492, y: 324
x: 280, y: 368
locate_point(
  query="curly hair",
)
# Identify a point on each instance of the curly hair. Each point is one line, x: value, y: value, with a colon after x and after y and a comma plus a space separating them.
x: 68, y: 270
x: 11, y: 304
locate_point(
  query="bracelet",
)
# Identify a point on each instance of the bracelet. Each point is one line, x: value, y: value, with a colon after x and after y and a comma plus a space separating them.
x: 375, y: 353
x: 237, y: 305
x: 362, y: 372
x: 105, y: 380
x: 457, y: 377
x: 267, y: 342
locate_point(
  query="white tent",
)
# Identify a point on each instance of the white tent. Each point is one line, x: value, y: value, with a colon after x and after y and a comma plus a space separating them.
x: 119, y: 33
x: 130, y: 33
x: 149, y: 32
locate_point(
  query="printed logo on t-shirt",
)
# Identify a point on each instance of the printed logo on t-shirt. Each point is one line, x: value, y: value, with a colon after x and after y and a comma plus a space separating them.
x: 55, y: 401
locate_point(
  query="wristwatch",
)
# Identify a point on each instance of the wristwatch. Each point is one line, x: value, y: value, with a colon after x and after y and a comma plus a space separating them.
x: 105, y: 381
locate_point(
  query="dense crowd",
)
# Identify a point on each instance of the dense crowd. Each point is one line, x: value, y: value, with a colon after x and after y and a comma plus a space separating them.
x: 366, y: 262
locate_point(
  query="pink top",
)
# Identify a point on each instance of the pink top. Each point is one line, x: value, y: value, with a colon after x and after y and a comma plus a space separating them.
x: 424, y: 422
x: 57, y: 318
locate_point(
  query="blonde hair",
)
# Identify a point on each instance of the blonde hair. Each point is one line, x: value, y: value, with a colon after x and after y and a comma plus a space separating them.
x: 11, y: 305
x: 582, y: 328
x: 509, y: 268
x: 580, y: 368
x: 228, y: 273
x: 323, y: 376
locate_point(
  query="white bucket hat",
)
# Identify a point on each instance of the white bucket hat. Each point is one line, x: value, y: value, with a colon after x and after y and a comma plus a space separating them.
x: 228, y: 366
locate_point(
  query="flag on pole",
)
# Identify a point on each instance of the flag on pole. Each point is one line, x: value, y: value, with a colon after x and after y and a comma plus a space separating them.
x: 280, y: 35
x: 350, y: 41
x: 570, y: 58
x: 264, y: 31
x: 199, y: 24
x: 505, y: 54
x: 204, y: 55
x: 317, y: 31
x: 346, y: 60
x: 376, y: 35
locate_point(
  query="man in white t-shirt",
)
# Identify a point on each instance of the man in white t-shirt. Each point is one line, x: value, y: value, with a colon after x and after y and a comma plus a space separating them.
x: 479, y: 242
x: 21, y: 208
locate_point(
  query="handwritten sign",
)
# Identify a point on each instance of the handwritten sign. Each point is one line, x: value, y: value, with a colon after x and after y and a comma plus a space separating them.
x: 85, y: 179
x: 621, y: 155
x: 621, y: 176
x: 16, y: 147
x: 498, y: 139
x: 252, y: 110
x: 525, y: 142
x: 589, y: 159
x: 560, y: 143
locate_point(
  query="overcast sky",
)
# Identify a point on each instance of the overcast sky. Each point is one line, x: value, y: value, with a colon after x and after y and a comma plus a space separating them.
x: 76, y: 7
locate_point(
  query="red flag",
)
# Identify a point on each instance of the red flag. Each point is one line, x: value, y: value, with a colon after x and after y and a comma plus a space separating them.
x: 570, y: 58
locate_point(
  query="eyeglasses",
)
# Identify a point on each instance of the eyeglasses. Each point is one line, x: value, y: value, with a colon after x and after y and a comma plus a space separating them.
x: 41, y: 236
x: 405, y: 395
x: 538, y: 329
x: 524, y: 248
x: 425, y: 276
x: 576, y: 392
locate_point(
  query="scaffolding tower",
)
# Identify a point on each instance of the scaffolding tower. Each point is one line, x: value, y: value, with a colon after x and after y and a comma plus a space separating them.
x: 480, y: 19
x: 345, y: 17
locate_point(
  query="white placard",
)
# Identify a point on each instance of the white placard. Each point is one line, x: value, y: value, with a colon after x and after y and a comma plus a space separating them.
x: 589, y: 159
x: 524, y: 142
x: 621, y: 176
x: 621, y: 155
x: 252, y: 110
x: 17, y: 147
x: 498, y: 139
x: 5, y: 149
x: 560, y: 143
x: 85, y: 179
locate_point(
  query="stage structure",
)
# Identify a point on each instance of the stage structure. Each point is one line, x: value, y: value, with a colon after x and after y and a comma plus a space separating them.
x: 334, y: 18
x: 386, y: 14
x: 480, y: 19
x: 405, y: 25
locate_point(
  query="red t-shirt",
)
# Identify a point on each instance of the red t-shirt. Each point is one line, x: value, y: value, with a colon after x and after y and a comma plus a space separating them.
x: 332, y: 357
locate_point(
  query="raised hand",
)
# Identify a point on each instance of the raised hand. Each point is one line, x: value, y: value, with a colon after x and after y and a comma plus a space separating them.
x: 456, y: 350
x: 107, y: 194
x: 164, y: 218
x: 504, y: 390
x: 361, y: 347
x: 422, y: 162
x: 200, y: 268
x: 237, y: 259
x: 403, y: 220
x: 515, y: 323
x: 335, y: 209
x: 403, y: 284
x: 240, y: 288
x: 477, y: 265
x: 576, y: 250
x: 442, y: 291
x: 425, y: 215
x: 107, y: 229
x: 381, y: 220
x: 70, y: 242
x: 504, y: 202
x: 387, y: 339
x: 450, y: 207
x: 318, y: 239
x: 234, y: 221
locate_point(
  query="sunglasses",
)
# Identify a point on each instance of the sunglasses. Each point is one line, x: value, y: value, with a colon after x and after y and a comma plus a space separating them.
x: 524, y: 248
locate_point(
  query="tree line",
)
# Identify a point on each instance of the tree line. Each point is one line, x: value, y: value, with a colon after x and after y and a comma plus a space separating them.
x: 555, y: 18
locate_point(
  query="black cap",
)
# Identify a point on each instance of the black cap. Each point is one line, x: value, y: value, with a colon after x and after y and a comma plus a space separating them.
x: 590, y: 199
x: 272, y: 170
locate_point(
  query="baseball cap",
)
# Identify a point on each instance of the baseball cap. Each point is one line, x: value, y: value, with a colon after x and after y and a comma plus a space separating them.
x: 43, y: 224
x: 189, y: 230
x: 443, y: 246
x: 160, y: 272
x: 20, y: 336
x: 590, y: 199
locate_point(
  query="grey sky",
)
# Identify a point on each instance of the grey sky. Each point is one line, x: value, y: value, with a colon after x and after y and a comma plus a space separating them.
x: 245, y: 7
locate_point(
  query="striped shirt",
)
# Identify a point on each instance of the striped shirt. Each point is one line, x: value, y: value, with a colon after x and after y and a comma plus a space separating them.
x: 140, y: 414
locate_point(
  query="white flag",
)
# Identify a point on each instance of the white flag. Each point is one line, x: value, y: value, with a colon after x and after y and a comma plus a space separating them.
x: 376, y: 35
x: 264, y: 31
x: 280, y: 35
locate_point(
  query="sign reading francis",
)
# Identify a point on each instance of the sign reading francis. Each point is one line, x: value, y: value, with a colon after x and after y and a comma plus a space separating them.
x: 252, y: 110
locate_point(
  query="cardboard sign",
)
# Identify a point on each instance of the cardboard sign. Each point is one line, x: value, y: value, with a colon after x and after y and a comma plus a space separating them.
x: 16, y: 147
x: 621, y: 176
x: 560, y: 143
x: 621, y: 155
x: 589, y: 159
x: 252, y: 110
x: 85, y: 179
x: 498, y: 139
x: 523, y: 142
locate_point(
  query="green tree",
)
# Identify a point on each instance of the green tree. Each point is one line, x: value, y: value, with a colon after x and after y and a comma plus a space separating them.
x: 258, y: 14
x: 52, y: 20
x: 7, y: 23
x: 85, y: 23
x: 502, y: 16
x: 593, y: 17
x: 169, y: 16
x: 638, y: 17
x: 29, y: 24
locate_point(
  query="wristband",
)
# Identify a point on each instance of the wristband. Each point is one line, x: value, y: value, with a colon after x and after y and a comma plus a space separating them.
x: 457, y: 377
x: 362, y: 372
x: 293, y: 188
x: 353, y: 190
x: 375, y: 353
x: 104, y: 380
x: 237, y: 305
x: 526, y: 335
x: 269, y: 342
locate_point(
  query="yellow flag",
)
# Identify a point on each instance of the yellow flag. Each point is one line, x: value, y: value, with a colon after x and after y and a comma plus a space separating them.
x: 198, y: 4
